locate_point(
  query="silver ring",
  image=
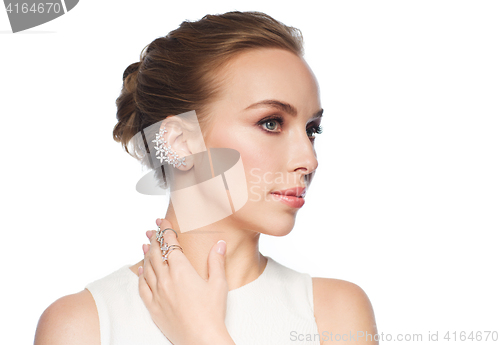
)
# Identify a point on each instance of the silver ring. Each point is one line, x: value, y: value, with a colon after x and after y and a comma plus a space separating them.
x: 159, y: 234
x: 172, y: 230
x: 170, y: 249
x: 165, y: 248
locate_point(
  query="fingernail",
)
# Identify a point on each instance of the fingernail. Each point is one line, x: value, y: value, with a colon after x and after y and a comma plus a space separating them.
x: 158, y: 221
x: 221, y: 247
x: 145, y: 248
x: 140, y: 270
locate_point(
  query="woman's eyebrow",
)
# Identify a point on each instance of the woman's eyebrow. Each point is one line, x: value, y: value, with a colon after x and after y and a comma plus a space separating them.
x: 283, y: 106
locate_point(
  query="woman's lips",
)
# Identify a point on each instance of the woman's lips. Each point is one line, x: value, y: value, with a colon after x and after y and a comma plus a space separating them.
x: 289, y: 200
x: 294, y: 191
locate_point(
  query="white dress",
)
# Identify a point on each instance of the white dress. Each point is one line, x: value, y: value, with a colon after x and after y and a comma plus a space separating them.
x: 276, y: 308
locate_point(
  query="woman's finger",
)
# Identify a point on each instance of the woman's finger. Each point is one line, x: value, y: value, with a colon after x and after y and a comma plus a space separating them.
x: 176, y: 257
x: 155, y: 258
x: 144, y: 289
x: 150, y: 272
x: 217, y: 263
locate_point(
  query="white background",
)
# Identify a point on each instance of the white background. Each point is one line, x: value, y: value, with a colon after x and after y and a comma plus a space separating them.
x: 405, y: 202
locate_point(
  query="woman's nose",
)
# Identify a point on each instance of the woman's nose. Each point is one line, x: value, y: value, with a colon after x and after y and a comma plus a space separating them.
x: 302, y: 154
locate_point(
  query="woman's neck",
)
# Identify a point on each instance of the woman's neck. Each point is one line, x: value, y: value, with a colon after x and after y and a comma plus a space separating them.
x: 244, y: 262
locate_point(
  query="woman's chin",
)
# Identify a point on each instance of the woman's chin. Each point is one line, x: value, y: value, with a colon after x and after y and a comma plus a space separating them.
x: 277, y: 226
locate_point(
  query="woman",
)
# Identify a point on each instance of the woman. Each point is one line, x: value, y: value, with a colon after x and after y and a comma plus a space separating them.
x: 243, y: 76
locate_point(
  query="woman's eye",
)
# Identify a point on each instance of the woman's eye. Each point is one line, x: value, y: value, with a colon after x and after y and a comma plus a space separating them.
x: 315, y: 130
x: 271, y: 125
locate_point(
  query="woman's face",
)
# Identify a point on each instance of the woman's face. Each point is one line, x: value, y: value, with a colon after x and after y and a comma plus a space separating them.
x: 269, y: 110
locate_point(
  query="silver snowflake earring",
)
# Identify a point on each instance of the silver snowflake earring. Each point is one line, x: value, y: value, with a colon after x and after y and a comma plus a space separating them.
x: 164, y: 153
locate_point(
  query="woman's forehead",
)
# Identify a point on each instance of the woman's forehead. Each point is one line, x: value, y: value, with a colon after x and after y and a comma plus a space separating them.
x: 268, y: 74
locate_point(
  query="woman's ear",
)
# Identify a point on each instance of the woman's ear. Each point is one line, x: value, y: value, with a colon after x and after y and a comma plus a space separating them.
x: 176, y: 135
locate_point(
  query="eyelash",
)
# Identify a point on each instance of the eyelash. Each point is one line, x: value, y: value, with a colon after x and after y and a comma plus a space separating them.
x: 317, y: 129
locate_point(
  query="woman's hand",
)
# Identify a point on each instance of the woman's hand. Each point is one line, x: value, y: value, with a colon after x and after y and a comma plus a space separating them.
x: 186, y: 308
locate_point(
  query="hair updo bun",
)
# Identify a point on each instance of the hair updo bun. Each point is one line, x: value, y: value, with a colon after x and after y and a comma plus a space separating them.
x: 177, y: 73
x: 130, y: 69
x: 128, y: 120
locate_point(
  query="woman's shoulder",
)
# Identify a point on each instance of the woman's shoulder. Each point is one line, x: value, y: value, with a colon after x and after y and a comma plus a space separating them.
x: 343, y: 306
x: 72, y: 319
x: 338, y: 290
